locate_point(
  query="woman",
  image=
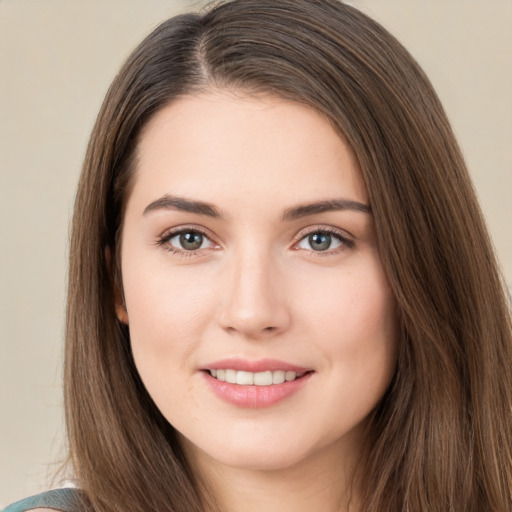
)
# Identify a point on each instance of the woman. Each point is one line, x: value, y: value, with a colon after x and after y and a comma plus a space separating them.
x: 282, y: 293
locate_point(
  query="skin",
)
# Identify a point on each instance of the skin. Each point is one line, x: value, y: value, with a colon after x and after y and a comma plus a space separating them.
x: 257, y: 288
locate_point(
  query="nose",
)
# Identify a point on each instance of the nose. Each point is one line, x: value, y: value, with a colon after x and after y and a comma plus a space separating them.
x: 254, y: 302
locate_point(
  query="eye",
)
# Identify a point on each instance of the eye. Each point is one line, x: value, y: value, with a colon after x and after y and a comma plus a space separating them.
x: 323, y: 240
x: 185, y: 241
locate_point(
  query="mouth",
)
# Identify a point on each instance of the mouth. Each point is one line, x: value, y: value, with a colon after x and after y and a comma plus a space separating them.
x: 255, y: 384
x: 263, y: 378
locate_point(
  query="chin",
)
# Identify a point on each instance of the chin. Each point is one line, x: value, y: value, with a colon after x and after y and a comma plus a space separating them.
x: 246, y: 455
x: 260, y: 460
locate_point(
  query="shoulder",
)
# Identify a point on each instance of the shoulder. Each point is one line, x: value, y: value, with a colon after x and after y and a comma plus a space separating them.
x: 63, y: 500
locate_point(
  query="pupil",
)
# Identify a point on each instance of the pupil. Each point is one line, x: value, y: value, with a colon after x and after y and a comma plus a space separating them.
x: 320, y: 241
x: 191, y: 241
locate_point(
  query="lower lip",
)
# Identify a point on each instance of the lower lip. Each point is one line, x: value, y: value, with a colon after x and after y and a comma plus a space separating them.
x: 255, y: 397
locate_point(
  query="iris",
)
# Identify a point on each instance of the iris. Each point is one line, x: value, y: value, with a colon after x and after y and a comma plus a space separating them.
x: 320, y: 241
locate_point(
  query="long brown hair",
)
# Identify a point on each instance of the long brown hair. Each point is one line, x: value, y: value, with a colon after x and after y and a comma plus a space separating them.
x: 441, y: 436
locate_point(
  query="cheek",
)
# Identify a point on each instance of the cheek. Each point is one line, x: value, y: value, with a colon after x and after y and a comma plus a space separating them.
x: 164, y: 302
x: 167, y: 312
x: 355, y: 303
x: 354, y: 324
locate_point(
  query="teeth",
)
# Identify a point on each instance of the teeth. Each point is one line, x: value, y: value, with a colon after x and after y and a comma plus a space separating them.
x: 263, y: 379
x: 278, y: 377
x: 231, y: 376
x: 245, y: 378
x: 290, y: 376
x: 257, y: 379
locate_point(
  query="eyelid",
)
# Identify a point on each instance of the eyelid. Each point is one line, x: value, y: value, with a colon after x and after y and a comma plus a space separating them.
x: 323, y: 228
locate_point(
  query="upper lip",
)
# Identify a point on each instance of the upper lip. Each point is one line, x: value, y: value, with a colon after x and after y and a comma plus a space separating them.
x: 260, y: 365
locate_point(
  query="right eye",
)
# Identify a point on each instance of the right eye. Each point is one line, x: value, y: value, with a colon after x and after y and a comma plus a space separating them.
x: 185, y: 242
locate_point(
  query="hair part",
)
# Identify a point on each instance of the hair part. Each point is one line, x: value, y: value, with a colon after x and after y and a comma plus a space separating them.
x: 440, y: 438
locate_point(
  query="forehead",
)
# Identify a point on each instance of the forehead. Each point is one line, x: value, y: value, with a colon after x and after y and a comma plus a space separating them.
x: 221, y: 147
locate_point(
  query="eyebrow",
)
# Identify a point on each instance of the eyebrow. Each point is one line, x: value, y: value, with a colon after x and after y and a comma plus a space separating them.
x: 169, y: 202
x: 297, y: 212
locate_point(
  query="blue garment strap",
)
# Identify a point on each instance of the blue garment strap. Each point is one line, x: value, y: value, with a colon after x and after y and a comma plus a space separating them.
x: 65, y: 500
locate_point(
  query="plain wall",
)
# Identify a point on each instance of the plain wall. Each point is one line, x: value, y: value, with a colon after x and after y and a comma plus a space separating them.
x: 57, y: 58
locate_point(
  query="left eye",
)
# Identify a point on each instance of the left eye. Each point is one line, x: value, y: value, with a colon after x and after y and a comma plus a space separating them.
x: 320, y: 241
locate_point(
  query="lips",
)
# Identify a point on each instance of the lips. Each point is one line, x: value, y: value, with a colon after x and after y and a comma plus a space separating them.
x: 261, y: 365
x: 254, y: 384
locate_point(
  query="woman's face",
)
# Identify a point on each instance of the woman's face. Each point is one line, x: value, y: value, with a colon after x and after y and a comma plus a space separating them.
x: 249, y: 252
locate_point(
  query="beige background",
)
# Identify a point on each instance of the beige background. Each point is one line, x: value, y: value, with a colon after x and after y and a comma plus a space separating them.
x: 57, y: 58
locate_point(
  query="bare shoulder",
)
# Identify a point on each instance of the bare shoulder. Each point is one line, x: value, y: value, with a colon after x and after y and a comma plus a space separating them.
x: 43, y: 510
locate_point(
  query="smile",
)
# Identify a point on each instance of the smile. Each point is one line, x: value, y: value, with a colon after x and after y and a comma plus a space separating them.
x: 245, y: 378
x: 259, y: 388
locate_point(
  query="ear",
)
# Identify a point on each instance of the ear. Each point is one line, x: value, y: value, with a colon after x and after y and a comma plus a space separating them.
x: 121, y: 313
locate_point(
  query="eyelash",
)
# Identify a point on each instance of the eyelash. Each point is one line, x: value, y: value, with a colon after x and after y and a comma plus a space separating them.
x: 163, y: 241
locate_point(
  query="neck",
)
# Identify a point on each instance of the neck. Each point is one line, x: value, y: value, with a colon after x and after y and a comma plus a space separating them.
x: 325, y: 482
